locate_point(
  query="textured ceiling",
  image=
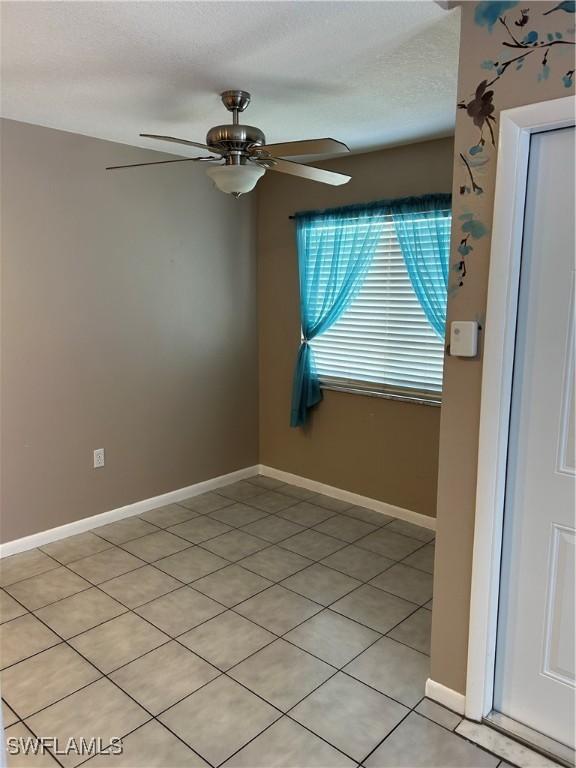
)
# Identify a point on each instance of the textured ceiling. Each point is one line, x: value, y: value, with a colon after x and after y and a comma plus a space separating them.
x: 368, y: 73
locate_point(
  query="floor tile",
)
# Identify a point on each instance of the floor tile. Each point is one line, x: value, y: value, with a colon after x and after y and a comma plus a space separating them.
x: 23, y: 566
x: 20, y: 733
x: 274, y: 563
x: 418, y: 742
x: 329, y: 502
x: 80, y: 612
x: 438, y: 714
x: 287, y: 744
x: 332, y: 637
x: 297, y: 492
x: 428, y: 605
x: 349, y: 715
x: 45, y: 678
x: 150, y: 746
x: 306, y: 514
x: 345, y: 528
x: 101, y: 708
x: 415, y: 631
x: 240, y: 491
x: 234, y: 545
x: 237, y: 514
x: 155, y: 546
x: 312, y: 544
x: 219, y: 719
x: 374, y: 608
x: 164, y: 676
x: 191, y: 564
x: 125, y: 530
x: 277, y: 609
x: 269, y: 483
x: 231, y: 585
x: 8, y: 715
x: 273, y: 528
x: 322, y: 584
x: 118, y: 641
x: 105, y: 565
x: 393, y: 669
x: 138, y: 587
x: 282, y: 674
x: 47, y: 588
x: 226, y: 640
x: 180, y: 610
x: 272, y: 501
x: 171, y: 514
x: 406, y: 582
x: 357, y: 562
x: 9, y: 608
x: 422, y: 559
x: 23, y: 637
x: 369, y: 515
x: 409, y: 529
x: 205, y: 503
x: 75, y: 547
x: 390, y: 544
x: 199, y: 529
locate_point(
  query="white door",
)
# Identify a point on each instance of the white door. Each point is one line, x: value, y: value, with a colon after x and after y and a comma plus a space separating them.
x: 535, y: 677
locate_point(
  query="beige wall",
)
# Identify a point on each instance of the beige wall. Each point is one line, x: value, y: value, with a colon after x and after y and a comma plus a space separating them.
x: 480, y: 42
x: 128, y: 323
x: 379, y: 448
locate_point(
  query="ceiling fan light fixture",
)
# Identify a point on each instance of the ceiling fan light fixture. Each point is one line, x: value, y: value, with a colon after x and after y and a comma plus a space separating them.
x: 236, y: 179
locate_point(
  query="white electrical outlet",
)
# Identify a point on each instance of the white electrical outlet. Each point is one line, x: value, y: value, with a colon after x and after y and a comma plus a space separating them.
x: 98, y: 458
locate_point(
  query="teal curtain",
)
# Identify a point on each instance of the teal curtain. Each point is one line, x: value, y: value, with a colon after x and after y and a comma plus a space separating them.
x: 423, y: 231
x: 335, y: 250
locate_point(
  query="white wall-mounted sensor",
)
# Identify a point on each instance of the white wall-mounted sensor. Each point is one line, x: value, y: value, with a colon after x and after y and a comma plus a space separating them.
x: 463, y: 338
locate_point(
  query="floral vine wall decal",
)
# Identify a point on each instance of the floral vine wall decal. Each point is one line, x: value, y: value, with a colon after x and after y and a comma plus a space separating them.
x: 472, y: 229
x: 536, y: 34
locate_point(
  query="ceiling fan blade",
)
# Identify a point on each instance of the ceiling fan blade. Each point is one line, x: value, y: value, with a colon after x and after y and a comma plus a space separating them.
x: 181, y: 141
x: 161, y: 162
x: 307, y: 147
x: 307, y: 172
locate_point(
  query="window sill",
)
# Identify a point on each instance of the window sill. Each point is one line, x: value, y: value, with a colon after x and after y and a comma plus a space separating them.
x: 418, y: 398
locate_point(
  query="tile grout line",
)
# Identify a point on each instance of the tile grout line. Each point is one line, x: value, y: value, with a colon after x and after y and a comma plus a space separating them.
x: 175, y: 638
x: 103, y: 676
x: 132, y: 609
x: 192, y: 543
x: 322, y: 607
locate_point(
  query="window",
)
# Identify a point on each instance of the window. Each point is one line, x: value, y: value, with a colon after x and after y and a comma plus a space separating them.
x: 382, y: 342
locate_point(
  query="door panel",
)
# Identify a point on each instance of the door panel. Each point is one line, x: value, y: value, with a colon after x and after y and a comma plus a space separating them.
x: 567, y: 432
x: 534, y: 676
x: 558, y: 648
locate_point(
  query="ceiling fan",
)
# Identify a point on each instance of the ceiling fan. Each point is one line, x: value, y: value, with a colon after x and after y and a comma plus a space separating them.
x: 239, y: 155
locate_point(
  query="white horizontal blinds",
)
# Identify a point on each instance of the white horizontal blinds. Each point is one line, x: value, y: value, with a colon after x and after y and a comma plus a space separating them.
x: 384, y: 338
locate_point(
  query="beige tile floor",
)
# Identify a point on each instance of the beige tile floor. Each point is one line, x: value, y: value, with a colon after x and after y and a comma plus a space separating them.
x: 259, y: 625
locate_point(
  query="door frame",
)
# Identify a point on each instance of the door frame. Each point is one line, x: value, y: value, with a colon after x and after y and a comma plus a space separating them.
x: 516, y: 127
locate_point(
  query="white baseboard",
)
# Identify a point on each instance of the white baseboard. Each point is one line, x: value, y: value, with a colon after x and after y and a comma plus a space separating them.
x: 173, y: 497
x: 446, y: 696
x: 137, y: 508
x: 354, y: 498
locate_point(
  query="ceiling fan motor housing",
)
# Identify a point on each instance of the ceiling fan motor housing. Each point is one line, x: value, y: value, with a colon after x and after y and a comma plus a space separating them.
x: 235, y: 138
